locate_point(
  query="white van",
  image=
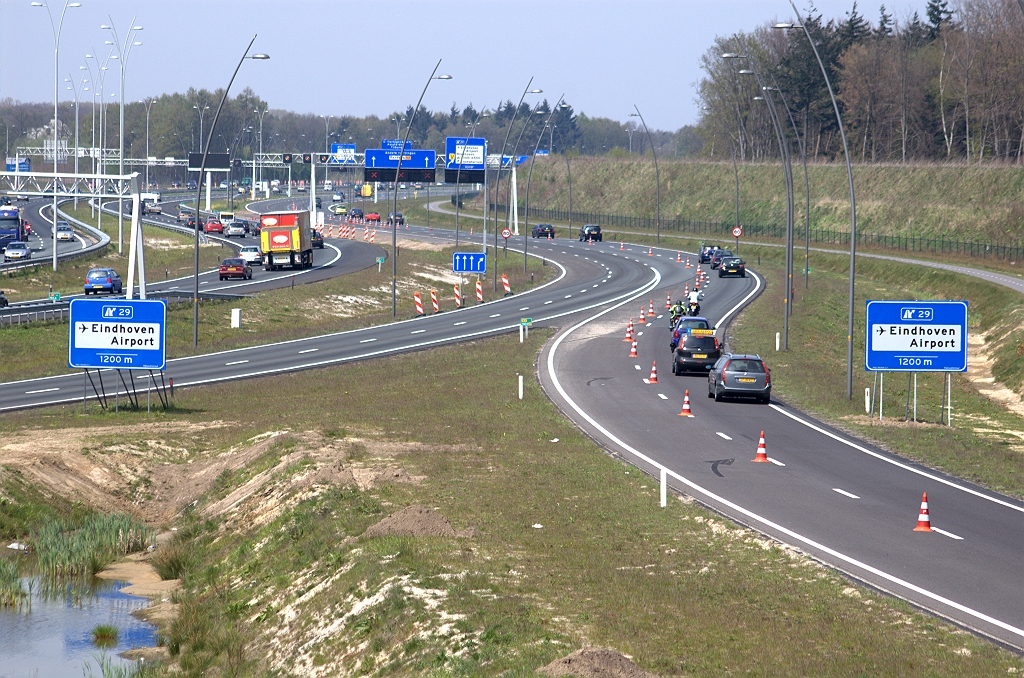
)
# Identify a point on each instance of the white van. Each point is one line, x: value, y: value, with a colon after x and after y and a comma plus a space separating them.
x: 328, y: 185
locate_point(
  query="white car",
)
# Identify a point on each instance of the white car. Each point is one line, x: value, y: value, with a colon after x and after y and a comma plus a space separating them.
x: 251, y: 254
x: 235, y: 228
x: 64, y: 231
x: 17, y: 250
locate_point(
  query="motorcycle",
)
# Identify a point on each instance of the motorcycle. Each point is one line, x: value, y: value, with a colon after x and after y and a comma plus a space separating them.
x: 693, y: 309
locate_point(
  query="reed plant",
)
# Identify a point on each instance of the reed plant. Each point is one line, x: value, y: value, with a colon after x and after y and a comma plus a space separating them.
x: 11, y: 591
x: 67, y: 553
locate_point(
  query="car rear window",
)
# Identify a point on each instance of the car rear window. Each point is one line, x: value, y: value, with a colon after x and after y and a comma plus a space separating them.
x: 699, y: 343
x: 746, y: 365
x: 97, y: 274
x: 689, y: 324
x: 234, y: 262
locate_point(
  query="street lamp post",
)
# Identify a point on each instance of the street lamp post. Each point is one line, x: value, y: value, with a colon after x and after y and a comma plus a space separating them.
x: 74, y: 89
x: 853, y: 202
x: 148, y: 103
x: 201, y: 111
x: 657, y: 178
x: 508, y: 190
x: 56, y: 58
x: 122, y: 56
x: 260, y: 114
x: 398, y: 170
x: 807, y: 188
x: 529, y: 177
x: 199, y: 187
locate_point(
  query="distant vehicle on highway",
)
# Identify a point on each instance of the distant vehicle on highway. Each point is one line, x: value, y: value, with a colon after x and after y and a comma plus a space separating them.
x: 222, y: 184
x: 356, y: 213
x: 718, y: 257
x: 396, y: 216
x: 543, y: 231
x: 697, y: 352
x: 27, y: 227
x: 685, y: 324
x: 5, y: 200
x: 17, y: 251
x: 316, y: 238
x: 102, y: 280
x: 251, y: 254
x: 338, y: 196
x: 402, y: 186
x: 235, y: 228
x: 235, y: 268
x: 732, y: 266
x: 190, y: 185
x: 22, y: 197
x: 706, y: 253
x: 3, y: 299
x: 738, y: 374
x: 418, y: 186
x: 590, y: 232
x: 183, y: 215
x: 338, y: 208
x: 64, y: 232
x: 213, y: 226
x: 373, y: 216
x: 190, y: 221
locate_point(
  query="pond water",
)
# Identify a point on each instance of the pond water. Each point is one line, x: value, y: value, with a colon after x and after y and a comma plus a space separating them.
x: 53, y: 635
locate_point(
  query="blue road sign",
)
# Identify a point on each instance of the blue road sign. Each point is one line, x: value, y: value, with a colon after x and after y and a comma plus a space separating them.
x: 342, y: 154
x: 542, y: 151
x: 394, y: 144
x: 19, y: 164
x: 117, y: 334
x: 385, y: 159
x: 916, y: 336
x: 469, y: 262
x: 467, y: 151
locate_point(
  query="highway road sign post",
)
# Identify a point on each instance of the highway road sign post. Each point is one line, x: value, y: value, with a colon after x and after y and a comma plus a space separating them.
x: 737, y: 231
x: 916, y: 336
x: 342, y: 154
x: 117, y: 334
x: 464, y: 158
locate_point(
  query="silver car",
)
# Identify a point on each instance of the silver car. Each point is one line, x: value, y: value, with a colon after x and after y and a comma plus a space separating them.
x: 235, y: 228
x: 17, y: 251
x: 64, y: 231
x: 251, y: 254
x: 737, y: 374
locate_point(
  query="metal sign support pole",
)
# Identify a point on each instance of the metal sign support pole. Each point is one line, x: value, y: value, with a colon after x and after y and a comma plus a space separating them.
x: 881, y: 395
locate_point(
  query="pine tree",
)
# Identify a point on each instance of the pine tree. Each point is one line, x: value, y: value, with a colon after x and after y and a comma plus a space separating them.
x: 938, y: 14
x: 885, y: 23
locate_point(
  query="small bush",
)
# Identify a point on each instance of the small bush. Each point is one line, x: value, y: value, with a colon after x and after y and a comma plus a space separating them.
x: 173, y: 560
x: 105, y: 635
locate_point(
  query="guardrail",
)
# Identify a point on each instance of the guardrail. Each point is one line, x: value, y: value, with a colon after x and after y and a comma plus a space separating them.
x: 30, y: 314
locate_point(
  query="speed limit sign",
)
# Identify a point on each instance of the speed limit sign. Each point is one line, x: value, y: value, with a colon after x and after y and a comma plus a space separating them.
x: 737, y: 231
x: 506, y: 234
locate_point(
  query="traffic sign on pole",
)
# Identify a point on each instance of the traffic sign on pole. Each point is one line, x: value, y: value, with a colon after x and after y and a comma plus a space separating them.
x: 506, y: 233
x: 916, y: 336
x: 117, y: 334
x: 343, y: 154
x: 469, y: 152
x: 469, y: 262
x: 737, y: 231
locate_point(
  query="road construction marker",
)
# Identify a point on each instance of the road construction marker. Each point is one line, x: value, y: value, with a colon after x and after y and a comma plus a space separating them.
x: 762, y: 452
x: 686, y: 405
x: 924, y: 520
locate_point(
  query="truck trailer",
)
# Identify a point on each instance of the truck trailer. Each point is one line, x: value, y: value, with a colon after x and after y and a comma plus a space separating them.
x: 285, y: 240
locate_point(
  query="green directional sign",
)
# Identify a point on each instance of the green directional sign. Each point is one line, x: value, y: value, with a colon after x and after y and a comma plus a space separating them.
x: 55, y: 296
x: 380, y: 260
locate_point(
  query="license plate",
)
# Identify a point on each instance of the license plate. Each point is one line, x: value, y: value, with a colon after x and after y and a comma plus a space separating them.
x: 747, y: 380
x: 733, y: 270
x: 700, y: 355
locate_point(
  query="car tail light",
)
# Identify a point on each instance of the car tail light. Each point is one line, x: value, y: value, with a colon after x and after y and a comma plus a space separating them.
x: 716, y: 343
x: 109, y: 281
x: 767, y: 374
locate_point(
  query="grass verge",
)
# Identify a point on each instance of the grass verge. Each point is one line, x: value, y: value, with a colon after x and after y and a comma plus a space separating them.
x: 571, y: 547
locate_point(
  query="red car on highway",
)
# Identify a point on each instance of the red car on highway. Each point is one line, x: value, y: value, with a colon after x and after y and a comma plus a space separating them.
x: 373, y: 216
x: 214, y: 226
x: 235, y: 268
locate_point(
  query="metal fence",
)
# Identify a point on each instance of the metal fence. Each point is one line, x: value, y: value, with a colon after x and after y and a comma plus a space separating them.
x: 821, y: 236
x: 28, y: 316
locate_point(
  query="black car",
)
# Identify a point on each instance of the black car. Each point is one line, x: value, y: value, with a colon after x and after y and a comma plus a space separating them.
x: 740, y: 375
x: 396, y: 216
x: 543, y: 231
x: 732, y: 266
x: 718, y: 257
x: 590, y: 232
x: 355, y: 213
x: 706, y: 253
x: 698, y: 352
x: 4, y: 200
x: 319, y: 201
x: 3, y: 299
x: 317, y: 239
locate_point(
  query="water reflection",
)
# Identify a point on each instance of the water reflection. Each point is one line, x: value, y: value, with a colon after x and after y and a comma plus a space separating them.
x: 51, y: 635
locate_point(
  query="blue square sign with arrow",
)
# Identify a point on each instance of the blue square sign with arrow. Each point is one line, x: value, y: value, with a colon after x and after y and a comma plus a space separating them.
x: 469, y: 262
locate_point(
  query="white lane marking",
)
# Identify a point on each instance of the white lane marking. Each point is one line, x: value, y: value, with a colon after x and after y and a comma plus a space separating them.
x: 494, y: 316
x: 948, y: 534
x: 460, y: 323
x: 647, y: 381
x: 309, y: 350
x: 637, y: 367
x: 722, y: 435
x: 776, y: 462
x: 237, y: 362
x: 736, y: 507
x: 173, y: 288
x: 42, y: 390
x: 582, y: 291
x: 568, y: 296
x: 525, y: 308
x: 546, y: 303
x: 417, y: 331
x: 661, y: 316
x: 845, y: 493
x: 663, y: 396
x: 905, y: 467
x: 367, y: 341
x: 595, y: 285
x: 639, y: 334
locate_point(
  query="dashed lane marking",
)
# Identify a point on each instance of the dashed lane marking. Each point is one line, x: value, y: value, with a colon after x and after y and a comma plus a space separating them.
x: 845, y: 493
x: 367, y: 341
x: 663, y: 396
x: 237, y: 362
x: 947, y: 534
x: 42, y: 390
x: 722, y: 435
x: 417, y: 332
x: 309, y: 350
x: 461, y: 323
x: 776, y: 462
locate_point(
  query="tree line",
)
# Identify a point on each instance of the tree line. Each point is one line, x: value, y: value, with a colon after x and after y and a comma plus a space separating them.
x: 947, y: 86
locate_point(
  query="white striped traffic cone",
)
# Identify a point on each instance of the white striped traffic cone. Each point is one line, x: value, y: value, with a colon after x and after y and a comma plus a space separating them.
x: 668, y: 300
x: 654, y: 373
x: 679, y: 257
x: 622, y: 246
x: 686, y: 405
x: 458, y: 297
x: 688, y: 262
x: 762, y: 451
x: 433, y: 301
x: 479, y: 291
x: 419, y: 303
x: 504, y: 282
x: 629, y: 331
x: 643, y: 316
x: 924, y: 521
x: 650, y: 309
x: 632, y: 350
x: 650, y: 251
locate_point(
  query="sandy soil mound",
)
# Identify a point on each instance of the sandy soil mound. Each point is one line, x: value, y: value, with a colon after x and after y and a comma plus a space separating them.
x: 594, y: 662
x: 416, y: 521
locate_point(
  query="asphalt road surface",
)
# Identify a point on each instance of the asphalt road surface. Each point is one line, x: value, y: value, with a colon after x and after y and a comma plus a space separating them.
x: 843, y: 501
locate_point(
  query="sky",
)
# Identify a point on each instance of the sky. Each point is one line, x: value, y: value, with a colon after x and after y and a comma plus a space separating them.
x: 360, y: 58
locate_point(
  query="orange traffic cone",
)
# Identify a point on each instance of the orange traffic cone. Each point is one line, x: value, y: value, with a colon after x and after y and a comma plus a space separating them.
x: 650, y: 251
x: 679, y: 257
x: 654, y: 373
x: 622, y: 246
x: 632, y: 350
x: 643, y: 316
x: 629, y: 331
x: 686, y: 405
x: 762, y: 451
x: 668, y: 300
x: 650, y: 309
x: 686, y: 290
x: 924, y: 521
x: 688, y: 263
